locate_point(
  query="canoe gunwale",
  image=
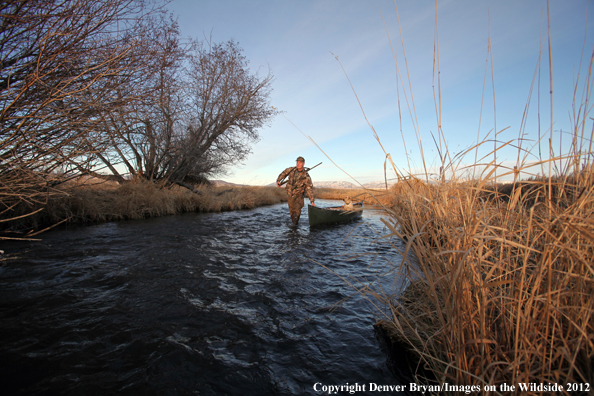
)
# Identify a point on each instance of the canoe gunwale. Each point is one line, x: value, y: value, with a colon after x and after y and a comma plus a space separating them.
x: 332, y: 215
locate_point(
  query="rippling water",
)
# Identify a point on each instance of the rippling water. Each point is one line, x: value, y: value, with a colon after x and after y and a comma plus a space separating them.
x: 231, y: 303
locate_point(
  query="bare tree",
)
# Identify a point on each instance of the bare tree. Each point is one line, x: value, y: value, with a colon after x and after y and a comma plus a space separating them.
x: 229, y: 107
x: 59, y: 64
x: 201, y: 111
x: 104, y: 88
x: 138, y: 135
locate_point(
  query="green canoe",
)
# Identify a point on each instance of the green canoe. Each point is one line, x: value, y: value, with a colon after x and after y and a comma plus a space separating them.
x: 318, y: 216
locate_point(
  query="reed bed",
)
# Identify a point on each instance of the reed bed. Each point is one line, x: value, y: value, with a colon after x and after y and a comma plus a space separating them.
x: 93, y: 202
x: 501, y: 288
x: 497, y: 280
x: 369, y: 196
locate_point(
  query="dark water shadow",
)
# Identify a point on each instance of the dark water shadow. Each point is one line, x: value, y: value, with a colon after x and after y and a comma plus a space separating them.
x: 209, y: 304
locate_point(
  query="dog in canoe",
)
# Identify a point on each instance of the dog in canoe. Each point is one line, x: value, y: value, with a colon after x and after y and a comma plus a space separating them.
x: 348, y: 204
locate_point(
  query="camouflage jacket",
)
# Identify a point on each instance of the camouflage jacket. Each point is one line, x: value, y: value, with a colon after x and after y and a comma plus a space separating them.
x: 299, y: 182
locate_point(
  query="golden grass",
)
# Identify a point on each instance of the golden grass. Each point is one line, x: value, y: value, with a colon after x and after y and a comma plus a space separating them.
x: 369, y: 196
x: 502, y: 288
x: 498, y: 280
x: 95, y: 201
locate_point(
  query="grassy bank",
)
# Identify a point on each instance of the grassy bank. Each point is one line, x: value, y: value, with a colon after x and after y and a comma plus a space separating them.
x: 369, y: 196
x: 105, y: 201
x: 501, y: 288
x: 94, y: 201
x: 497, y: 280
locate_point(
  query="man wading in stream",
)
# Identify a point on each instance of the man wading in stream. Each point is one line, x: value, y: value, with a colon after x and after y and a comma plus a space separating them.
x: 298, y: 184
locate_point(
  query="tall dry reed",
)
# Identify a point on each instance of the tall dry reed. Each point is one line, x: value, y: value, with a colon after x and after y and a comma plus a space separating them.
x: 501, y: 289
x: 500, y: 284
x: 369, y: 196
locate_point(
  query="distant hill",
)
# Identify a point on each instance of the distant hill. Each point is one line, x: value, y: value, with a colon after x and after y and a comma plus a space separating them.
x: 218, y: 183
x: 378, y: 184
x: 344, y: 184
x: 318, y: 184
x: 333, y: 184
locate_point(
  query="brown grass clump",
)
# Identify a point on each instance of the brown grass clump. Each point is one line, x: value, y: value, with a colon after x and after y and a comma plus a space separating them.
x: 98, y: 202
x: 368, y: 196
x: 498, y: 280
x: 502, y: 288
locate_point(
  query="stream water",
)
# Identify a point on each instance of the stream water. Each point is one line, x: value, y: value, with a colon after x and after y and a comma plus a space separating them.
x: 233, y: 303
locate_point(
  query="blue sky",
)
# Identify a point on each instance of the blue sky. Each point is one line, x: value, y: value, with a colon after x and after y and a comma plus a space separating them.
x: 298, y: 41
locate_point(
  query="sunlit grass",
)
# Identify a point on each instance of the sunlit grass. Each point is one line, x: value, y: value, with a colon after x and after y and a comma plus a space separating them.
x: 368, y: 196
x: 498, y: 280
x: 95, y: 201
x: 502, y: 287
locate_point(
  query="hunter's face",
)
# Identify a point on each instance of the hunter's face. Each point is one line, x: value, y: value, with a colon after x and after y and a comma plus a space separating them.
x: 300, y: 165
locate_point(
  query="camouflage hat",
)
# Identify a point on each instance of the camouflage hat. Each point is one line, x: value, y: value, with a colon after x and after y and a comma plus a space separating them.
x: 300, y: 159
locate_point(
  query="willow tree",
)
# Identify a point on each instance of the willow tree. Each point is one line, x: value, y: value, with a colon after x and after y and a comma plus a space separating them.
x: 104, y: 88
x: 201, y: 110
x: 137, y: 136
x: 60, y: 62
x: 229, y: 105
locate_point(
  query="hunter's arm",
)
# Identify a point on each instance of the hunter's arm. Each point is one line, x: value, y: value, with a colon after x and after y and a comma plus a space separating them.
x: 309, y: 188
x: 283, y: 174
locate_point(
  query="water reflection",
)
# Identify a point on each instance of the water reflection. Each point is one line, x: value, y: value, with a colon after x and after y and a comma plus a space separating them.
x: 294, y: 237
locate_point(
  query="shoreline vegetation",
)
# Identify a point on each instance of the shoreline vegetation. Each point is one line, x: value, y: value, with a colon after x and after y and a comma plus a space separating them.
x: 500, y: 288
x: 496, y: 280
x: 98, y: 201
